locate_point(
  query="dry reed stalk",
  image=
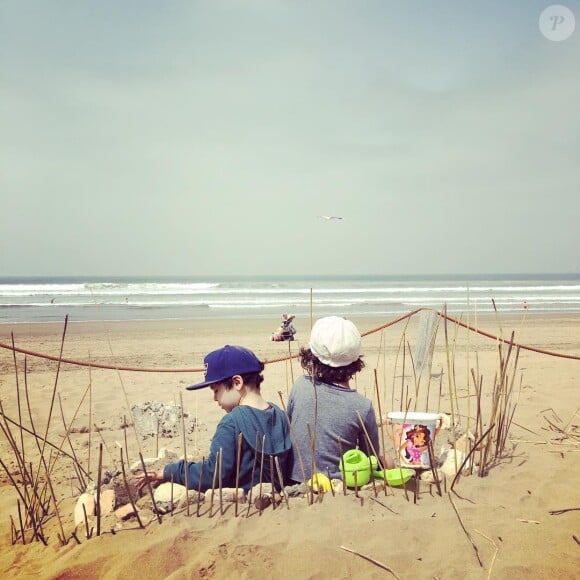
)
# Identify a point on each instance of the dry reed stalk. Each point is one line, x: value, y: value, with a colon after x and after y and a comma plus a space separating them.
x: 22, y: 451
x: 185, y: 469
x: 372, y: 561
x: 238, y: 459
x: 88, y: 532
x: 329, y: 479
x: 465, y: 530
x: 342, y: 465
x: 220, y: 482
x: 382, y: 425
x: 128, y: 489
x: 293, y: 438
x: 261, y: 472
x: 36, y: 525
x: 157, y: 438
x: 149, y: 488
x: 98, y: 502
x: 471, y: 452
x: 253, y: 470
x: 272, y: 481
x: 281, y: 480
x: 401, y: 341
x: 290, y: 361
x: 199, y: 485
x: 213, y: 484
x: 372, y: 448
x: 355, y: 475
x: 494, y: 554
x: 433, y: 468
x: 52, y: 397
x: 312, y: 461
x: 90, y: 422
x: 67, y: 437
x: 450, y: 382
x: 415, y: 379
x: 125, y: 440
x: 20, y: 523
x: 403, y: 396
x: 62, y: 535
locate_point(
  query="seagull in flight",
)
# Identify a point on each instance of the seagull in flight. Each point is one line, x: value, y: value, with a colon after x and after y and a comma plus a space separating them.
x: 329, y: 218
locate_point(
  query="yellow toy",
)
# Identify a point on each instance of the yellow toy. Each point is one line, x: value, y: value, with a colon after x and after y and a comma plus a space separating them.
x: 319, y: 482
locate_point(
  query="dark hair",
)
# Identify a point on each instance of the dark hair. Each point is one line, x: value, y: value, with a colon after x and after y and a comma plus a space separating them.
x: 254, y: 379
x: 327, y: 374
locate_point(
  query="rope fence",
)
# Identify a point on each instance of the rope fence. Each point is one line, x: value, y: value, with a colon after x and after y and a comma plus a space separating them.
x: 285, y: 358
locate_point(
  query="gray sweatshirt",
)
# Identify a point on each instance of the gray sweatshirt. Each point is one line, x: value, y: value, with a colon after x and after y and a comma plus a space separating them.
x: 336, y: 418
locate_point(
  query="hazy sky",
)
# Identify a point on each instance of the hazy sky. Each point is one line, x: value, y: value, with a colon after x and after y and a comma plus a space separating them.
x: 183, y: 137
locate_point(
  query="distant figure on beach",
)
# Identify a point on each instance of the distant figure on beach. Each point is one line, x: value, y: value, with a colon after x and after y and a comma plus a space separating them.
x: 325, y: 413
x: 52, y: 300
x: 286, y: 330
x: 234, y: 374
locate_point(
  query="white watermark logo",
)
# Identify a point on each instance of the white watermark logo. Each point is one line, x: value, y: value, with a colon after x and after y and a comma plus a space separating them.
x: 557, y: 22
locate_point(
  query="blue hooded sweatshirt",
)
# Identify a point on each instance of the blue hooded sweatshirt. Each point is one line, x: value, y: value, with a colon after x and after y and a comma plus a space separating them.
x: 253, y: 424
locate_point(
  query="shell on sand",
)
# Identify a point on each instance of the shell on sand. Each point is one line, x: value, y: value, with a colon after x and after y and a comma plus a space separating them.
x: 88, y: 501
x: 164, y: 494
x: 107, y: 502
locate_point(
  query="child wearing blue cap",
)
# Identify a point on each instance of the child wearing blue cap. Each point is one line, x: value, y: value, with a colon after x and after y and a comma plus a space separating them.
x: 234, y: 374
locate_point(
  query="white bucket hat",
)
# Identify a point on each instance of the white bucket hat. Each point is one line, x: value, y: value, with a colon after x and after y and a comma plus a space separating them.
x: 335, y: 341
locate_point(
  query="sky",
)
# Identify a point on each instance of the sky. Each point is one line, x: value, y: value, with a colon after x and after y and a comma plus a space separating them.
x: 185, y: 137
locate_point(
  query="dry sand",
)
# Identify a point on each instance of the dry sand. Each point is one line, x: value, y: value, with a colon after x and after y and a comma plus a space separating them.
x: 506, y: 514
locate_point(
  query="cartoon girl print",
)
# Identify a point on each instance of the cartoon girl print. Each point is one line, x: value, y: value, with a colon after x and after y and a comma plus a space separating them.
x: 416, y: 443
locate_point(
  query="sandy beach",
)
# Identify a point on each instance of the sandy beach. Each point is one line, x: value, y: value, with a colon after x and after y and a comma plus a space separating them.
x: 520, y: 520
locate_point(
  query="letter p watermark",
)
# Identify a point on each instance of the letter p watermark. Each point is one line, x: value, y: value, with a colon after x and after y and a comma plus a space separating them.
x: 557, y: 22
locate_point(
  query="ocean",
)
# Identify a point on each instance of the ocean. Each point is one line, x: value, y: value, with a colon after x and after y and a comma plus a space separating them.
x: 162, y: 298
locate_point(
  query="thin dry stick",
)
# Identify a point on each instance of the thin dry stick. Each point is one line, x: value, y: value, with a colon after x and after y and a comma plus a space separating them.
x: 475, y: 446
x: 494, y: 554
x: 312, y: 462
x: 125, y: 439
x: 149, y: 488
x: 98, y: 503
x: 465, y: 530
x: 55, y: 384
x: 20, y: 523
x: 91, y: 420
x: 199, y: 485
x: 88, y: 532
x: 331, y: 486
x: 157, y: 438
x: 261, y: 473
x: 372, y: 447
x: 213, y: 483
x: 220, y: 482
x: 19, y: 412
x: 293, y: 438
x: 372, y: 560
x: 67, y: 437
x: 62, y: 535
x: 253, y: 470
x: 272, y: 480
x: 185, y: 469
x: 36, y: 525
x: 131, y: 495
x: 432, y: 465
x: 343, y: 467
x: 238, y: 459
x: 281, y: 479
x: 385, y: 480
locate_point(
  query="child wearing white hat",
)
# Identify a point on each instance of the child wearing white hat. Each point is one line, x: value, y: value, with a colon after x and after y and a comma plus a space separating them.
x: 322, y: 407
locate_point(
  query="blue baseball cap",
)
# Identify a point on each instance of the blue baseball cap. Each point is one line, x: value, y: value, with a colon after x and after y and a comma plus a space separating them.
x: 225, y: 362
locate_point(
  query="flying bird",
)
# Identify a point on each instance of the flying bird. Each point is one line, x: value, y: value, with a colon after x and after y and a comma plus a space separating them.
x: 329, y: 218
